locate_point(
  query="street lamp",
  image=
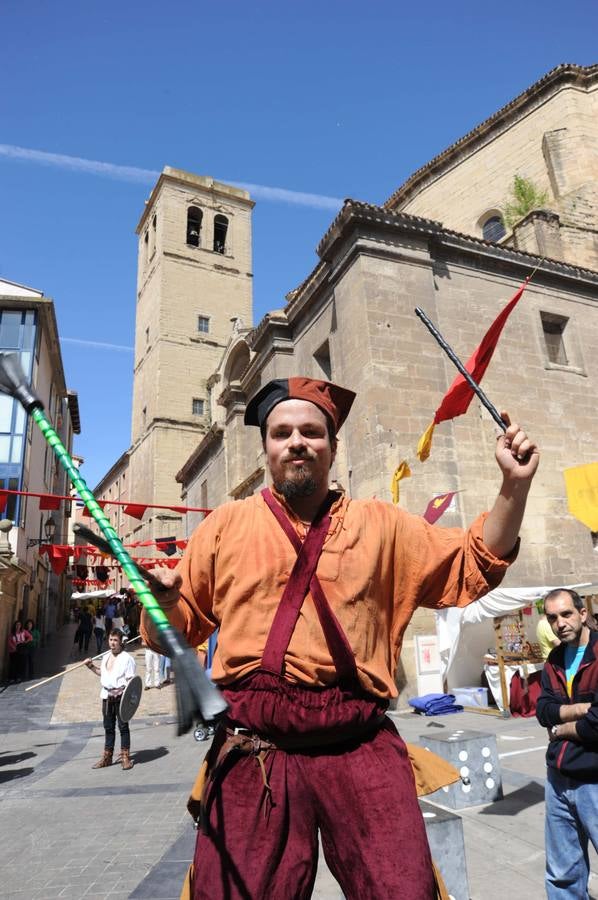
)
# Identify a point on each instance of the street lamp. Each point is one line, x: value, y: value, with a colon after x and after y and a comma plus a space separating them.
x: 49, y: 529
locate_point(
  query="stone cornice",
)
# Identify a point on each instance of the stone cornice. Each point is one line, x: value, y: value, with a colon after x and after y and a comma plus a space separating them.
x: 562, y: 76
x: 247, y: 482
x: 212, y: 437
x: 379, y: 219
x: 202, y: 183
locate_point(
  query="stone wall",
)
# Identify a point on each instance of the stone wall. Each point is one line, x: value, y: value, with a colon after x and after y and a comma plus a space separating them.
x: 554, y: 143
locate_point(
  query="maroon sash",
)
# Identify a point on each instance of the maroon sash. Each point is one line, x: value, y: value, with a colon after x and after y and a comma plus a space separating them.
x: 303, y: 578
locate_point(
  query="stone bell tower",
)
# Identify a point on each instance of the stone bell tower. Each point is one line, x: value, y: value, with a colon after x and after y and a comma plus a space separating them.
x: 194, y: 275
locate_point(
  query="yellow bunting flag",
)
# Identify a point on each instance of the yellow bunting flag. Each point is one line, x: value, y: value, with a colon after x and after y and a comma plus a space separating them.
x: 582, y: 494
x: 425, y: 443
x: 402, y: 471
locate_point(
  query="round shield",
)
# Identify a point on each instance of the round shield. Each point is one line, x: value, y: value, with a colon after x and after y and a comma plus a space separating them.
x: 130, y: 699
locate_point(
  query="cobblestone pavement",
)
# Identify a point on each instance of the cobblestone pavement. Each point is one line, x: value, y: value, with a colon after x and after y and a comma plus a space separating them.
x: 67, y: 831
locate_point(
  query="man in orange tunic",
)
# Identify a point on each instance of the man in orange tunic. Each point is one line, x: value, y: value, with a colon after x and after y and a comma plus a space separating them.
x: 312, y: 593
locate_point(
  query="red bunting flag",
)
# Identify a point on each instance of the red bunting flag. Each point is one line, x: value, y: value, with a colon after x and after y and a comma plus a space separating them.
x: 458, y: 397
x: 136, y: 510
x: 86, y: 512
x: 3, y: 501
x: 437, y: 506
x: 47, y: 501
x: 58, y: 556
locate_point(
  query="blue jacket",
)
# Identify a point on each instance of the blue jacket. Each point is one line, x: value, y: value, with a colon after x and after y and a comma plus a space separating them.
x: 577, y: 759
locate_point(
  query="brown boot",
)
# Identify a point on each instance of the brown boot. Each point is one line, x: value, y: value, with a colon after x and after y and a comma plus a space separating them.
x: 125, y: 759
x: 106, y: 760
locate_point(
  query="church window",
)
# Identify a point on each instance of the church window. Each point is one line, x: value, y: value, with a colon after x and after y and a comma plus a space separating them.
x: 493, y: 228
x: 198, y: 407
x: 203, y: 324
x: 553, y: 327
x: 194, y: 217
x: 152, y: 248
x: 146, y: 246
x: 220, y: 231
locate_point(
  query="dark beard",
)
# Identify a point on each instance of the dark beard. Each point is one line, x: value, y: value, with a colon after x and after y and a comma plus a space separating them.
x: 292, y: 489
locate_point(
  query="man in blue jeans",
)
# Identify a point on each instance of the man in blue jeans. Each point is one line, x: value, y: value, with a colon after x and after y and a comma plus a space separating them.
x: 568, y: 707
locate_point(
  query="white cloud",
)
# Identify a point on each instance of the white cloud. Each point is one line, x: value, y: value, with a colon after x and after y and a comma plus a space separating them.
x: 148, y: 176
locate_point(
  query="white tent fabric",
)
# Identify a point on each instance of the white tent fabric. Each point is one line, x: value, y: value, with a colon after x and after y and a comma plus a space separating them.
x: 92, y: 595
x: 461, y: 646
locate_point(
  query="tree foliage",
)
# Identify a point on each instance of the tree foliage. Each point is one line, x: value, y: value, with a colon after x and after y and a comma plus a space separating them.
x: 525, y: 196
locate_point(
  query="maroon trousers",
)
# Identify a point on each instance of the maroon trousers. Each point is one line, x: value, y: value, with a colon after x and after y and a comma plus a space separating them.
x: 360, y: 797
x: 352, y: 782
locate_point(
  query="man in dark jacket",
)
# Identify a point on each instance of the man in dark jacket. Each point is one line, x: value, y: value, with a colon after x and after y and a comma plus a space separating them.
x: 568, y: 707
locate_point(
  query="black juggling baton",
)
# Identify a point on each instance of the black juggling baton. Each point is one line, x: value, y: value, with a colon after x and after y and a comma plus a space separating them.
x: 197, y: 697
x: 459, y: 365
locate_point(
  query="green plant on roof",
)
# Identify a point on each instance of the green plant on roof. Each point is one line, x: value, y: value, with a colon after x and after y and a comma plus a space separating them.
x: 525, y: 196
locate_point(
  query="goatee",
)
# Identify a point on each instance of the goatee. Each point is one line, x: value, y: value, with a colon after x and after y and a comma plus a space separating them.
x: 292, y: 489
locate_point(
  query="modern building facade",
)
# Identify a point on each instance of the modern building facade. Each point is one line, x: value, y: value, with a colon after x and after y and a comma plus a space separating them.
x: 28, y: 327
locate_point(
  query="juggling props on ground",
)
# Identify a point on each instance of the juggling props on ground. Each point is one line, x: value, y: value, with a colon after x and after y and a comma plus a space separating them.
x: 197, y: 696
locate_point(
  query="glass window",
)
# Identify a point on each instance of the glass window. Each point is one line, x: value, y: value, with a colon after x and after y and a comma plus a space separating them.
x: 203, y: 324
x: 26, y: 362
x: 4, y: 448
x: 20, y: 420
x: 198, y: 407
x: 17, y: 449
x: 6, y: 405
x: 18, y: 331
x: 493, y: 229
x: 10, y: 328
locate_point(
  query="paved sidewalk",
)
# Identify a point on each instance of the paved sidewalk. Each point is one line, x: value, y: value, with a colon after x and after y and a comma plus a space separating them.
x: 67, y: 831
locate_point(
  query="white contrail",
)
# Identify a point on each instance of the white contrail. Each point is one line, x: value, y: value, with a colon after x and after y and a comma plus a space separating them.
x: 98, y: 345
x: 148, y: 176
x: 282, y: 195
x: 76, y: 164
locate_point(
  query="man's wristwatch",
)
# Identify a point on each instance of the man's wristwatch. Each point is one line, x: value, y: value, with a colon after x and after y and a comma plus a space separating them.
x: 554, y: 731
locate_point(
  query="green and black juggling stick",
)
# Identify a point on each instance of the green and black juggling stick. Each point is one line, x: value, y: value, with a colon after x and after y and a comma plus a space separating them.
x: 197, y: 696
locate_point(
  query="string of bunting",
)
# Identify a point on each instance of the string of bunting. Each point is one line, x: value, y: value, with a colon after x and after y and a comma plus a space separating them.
x: 58, y: 555
x: 91, y: 582
x: 135, y: 510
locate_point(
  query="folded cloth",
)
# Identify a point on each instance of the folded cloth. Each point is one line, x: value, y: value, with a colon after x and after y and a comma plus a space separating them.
x: 435, y: 704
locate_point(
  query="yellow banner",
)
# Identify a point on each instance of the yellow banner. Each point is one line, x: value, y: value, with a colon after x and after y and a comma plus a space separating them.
x: 582, y: 494
x: 402, y: 471
x: 425, y: 443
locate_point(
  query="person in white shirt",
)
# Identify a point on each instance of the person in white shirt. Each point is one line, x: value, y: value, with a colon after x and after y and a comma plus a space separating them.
x: 152, y: 668
x: 99, y: 629
x: 116, y: 670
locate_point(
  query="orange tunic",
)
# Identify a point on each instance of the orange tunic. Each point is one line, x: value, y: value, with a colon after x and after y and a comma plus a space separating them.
x: 379, y: 563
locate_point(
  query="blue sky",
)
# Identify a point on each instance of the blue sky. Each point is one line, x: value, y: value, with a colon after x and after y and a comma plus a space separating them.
x: 334, y: 99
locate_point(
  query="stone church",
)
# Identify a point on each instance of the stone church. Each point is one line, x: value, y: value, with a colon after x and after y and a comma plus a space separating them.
x: 440, y: 242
